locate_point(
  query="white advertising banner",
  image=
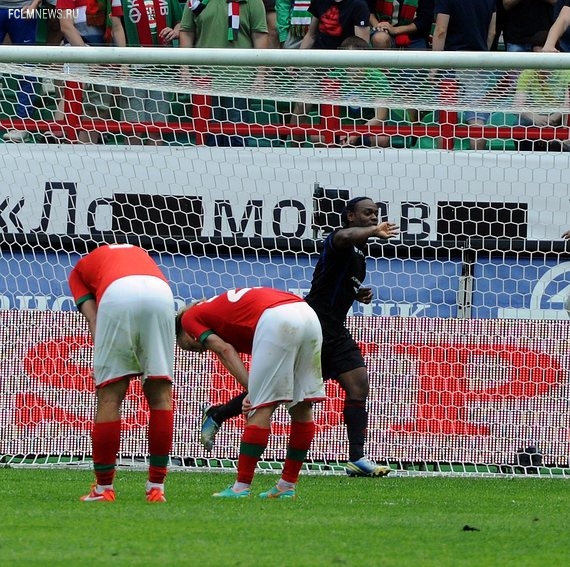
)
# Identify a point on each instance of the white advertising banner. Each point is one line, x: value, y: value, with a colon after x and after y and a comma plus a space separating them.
x: 70, y: 189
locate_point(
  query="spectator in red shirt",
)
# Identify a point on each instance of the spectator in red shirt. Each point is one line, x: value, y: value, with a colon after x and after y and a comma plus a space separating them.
x: 332, y: 21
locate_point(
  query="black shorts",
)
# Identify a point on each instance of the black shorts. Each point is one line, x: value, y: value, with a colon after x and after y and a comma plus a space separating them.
x: 340, y: 355
x: 269, y: 5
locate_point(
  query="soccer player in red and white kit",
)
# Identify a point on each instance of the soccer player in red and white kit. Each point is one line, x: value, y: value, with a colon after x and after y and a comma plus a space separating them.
x: 130, y: 309
x: 283, y: 335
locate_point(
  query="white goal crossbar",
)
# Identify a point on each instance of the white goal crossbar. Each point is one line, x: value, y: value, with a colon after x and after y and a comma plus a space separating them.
x: 285, y: 58
x: 487, y: 79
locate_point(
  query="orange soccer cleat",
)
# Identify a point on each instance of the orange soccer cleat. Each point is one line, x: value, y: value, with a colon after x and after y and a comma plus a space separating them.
x: 107, y: 495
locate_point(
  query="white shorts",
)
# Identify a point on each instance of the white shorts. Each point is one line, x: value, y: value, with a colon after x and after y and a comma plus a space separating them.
x: 286, y: 357
x: 134, y: 335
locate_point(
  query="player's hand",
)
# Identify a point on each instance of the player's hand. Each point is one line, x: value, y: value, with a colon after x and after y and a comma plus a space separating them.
x: 387, y: 230
x: 246, y: 405
x: 364, y: 295
x: 566, y: 235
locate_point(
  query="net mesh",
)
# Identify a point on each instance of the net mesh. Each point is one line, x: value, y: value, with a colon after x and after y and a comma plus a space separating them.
x: 466, y: 338
x: 443, y: 391
x: 490, y: 90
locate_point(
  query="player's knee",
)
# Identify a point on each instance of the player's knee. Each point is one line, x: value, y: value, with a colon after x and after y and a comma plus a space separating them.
x: 158, y: 394
x: 356, y: 385
x: 303, y: 411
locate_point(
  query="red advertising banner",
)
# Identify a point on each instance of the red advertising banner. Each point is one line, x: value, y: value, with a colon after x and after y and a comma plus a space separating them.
x: 465, y: 391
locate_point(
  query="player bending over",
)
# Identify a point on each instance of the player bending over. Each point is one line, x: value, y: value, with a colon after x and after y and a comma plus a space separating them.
x: 283, y: 336
x: 128, y: 305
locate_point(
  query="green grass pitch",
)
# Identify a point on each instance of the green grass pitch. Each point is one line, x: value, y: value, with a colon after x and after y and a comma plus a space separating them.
x: 397, y: 521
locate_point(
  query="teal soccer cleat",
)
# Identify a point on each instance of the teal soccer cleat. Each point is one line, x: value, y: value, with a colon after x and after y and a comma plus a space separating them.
x: 229, y: 492
x: 277, y: 493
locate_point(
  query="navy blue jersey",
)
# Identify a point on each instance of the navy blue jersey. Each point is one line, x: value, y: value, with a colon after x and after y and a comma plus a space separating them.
x: 338, y: 275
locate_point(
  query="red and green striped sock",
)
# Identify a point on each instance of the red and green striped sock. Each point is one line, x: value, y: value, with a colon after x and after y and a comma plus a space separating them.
x: 300, y: 440
x: 106, y: 439
x: 253, y: 442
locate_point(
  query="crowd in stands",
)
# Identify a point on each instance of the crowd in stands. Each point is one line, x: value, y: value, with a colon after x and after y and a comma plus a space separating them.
x: 449, y: 25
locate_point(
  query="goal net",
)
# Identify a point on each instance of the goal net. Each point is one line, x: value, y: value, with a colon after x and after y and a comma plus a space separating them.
x: 231, y: 172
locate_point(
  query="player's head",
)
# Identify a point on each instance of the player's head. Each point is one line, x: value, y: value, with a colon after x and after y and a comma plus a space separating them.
x: 183, y: 339
x: 359, y: 211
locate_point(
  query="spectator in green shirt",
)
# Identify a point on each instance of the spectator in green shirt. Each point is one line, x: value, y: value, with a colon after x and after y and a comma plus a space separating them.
x: 205, y: 23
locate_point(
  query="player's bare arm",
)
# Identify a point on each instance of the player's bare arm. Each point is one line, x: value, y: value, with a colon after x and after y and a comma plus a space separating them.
x: 229, y: 357
x: 346, y: 237
x: 89, y: 310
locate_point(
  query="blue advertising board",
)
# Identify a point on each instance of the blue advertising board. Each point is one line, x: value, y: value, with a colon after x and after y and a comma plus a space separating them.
x: 502, y: 287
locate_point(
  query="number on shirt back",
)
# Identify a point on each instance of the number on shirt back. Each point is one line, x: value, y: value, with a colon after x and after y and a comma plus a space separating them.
x: 234, y: 295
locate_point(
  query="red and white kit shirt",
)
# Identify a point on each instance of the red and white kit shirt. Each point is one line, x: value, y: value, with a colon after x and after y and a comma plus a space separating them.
x: 234, y: 315
x: 93, y: 274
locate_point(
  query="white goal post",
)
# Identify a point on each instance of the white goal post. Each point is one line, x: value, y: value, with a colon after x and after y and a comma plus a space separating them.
x: 466, y: 339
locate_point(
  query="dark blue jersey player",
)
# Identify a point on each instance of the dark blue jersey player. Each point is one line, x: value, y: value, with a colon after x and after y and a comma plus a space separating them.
x: 337, y: 283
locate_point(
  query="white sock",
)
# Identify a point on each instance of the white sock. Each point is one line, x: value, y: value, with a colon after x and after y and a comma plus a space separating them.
x: 239, y: 486
x: 151, y: 485
x: 283, y: 485
x: 100, y: 488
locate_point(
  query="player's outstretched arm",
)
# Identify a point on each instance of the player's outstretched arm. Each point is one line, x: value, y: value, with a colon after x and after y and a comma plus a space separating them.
x: 358, y: 235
